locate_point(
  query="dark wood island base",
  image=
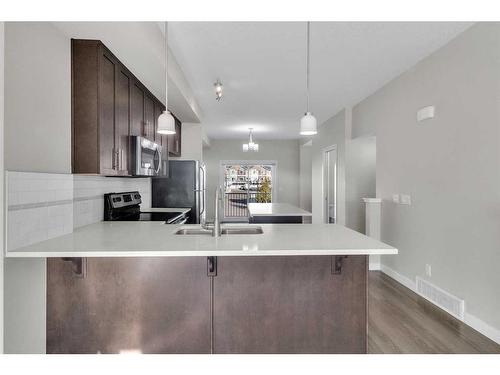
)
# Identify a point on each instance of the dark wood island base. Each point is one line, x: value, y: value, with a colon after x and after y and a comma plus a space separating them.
x: 254, y: 304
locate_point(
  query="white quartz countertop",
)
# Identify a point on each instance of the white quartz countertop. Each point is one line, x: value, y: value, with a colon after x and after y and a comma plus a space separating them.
x: 154, y: 238
x: 276, y: 209
x: 166, y: 209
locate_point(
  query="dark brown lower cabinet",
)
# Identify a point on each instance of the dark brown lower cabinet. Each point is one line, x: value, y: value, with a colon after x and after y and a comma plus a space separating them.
x: 296, y: 304
x: 148, y: 305
x: 290, y: 305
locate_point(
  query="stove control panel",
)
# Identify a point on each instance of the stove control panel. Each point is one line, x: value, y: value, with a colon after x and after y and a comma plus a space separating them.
x: 120, y: 200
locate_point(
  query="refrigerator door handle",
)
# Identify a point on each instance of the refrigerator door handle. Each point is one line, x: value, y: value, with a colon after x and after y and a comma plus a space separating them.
x: 202, y: 191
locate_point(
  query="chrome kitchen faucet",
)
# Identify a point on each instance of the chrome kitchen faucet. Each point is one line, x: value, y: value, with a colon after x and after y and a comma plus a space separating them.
x: 215, y: 227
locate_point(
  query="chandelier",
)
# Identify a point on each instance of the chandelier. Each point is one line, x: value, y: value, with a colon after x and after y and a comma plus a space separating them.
x: 250, y: 146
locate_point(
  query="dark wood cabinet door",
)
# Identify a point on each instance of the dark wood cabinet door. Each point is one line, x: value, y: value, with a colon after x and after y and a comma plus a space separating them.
x: 171, y: 144
x: 149, y: 118
x: 164, y: 144
x: 174, y: 140
x: 178, y: 137
x: 158, y: 110
x: 122, y: 125
x: 147, y: 305
x: 107, y: 158
x: 137, y: 110
x: 290, y: 305
x: 85, y: 106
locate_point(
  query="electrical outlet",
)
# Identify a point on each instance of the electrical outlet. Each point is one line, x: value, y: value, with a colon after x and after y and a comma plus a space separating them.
x: 405, y: 199
x: 428, y: 270
x: 395, y: 198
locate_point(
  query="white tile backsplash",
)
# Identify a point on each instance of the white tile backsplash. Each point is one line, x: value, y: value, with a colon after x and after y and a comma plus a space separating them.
x: 46, y: 205
x: 39, y: 207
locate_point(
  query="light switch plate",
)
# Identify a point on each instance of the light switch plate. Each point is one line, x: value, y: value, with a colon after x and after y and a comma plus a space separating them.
x: 405, y: 199
x: 425, y: 113
x: 428, y: 270
x: 395, y: 198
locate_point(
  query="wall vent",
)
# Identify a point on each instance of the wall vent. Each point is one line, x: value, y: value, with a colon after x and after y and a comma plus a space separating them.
x: 446, y: 301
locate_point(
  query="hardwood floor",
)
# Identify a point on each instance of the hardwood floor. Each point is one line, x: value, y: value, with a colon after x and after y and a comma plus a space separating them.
x: 400, y: 321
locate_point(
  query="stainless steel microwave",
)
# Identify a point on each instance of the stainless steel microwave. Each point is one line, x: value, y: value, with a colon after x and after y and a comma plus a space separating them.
x: 145, y: 157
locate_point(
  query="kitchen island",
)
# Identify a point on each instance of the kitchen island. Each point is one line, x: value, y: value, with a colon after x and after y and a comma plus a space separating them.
x: 289, y: 289
x: 276, y: 213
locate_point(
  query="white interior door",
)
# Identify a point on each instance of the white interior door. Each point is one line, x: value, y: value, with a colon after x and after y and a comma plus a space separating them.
x: 330, y: 185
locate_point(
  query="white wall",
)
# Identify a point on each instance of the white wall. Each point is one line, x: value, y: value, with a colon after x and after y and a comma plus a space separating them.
x: 332, y: 132
x: 25, y: 301
x: 360, y: 160
x: 306, y: 177
x: 38, y: 98
x: 286, y: 153
x: 450, y: 166
x: 191, y: 142
x: 37, y: 138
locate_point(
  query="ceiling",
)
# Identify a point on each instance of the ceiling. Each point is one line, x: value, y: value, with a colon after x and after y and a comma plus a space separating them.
x: 141, y: 47
x: 262, y: 68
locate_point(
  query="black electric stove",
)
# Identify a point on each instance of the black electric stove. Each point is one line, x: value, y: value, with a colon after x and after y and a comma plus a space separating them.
x: 127, y: 207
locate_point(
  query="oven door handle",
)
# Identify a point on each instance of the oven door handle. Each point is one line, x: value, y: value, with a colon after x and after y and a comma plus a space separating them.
x: 180, y: 222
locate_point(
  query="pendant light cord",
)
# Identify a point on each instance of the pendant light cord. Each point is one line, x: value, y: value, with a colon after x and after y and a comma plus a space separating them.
x: 166, y: 65
x: 307, y: 66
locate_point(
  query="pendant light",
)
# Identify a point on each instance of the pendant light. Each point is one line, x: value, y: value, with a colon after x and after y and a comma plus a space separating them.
x: 250, y: 146
x: 218, y: 90
x: 308, y: 121
x: 166, y: 122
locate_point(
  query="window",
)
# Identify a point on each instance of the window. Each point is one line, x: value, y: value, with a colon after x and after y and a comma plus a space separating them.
x: 246, y: 182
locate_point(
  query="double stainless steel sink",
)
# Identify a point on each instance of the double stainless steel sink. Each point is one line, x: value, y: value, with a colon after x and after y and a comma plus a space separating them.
x: 225, y: 230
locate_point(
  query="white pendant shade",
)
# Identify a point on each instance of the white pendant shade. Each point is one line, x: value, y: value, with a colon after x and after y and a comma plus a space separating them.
x: 166, y: 123
x: 308, y: 124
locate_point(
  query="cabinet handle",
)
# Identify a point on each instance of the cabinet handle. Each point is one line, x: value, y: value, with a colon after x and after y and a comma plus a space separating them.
x: 113, y: 159
x: 116, y: 160
x: 121, y: 159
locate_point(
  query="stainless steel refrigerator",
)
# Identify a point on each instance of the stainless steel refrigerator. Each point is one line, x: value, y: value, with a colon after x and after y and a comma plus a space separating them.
x: 184, y: 187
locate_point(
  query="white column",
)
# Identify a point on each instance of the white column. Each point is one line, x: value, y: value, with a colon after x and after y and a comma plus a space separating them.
x: 372, y: 223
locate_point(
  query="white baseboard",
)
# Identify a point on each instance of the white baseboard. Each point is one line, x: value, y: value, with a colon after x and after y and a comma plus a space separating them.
x: 482, y: 327
x: 399, y: 278
x: 471, y: 320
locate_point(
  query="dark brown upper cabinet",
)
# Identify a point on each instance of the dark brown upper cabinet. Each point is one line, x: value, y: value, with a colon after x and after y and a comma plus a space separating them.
x: 159, y: 138
x: 174, y: 140
x: 137, y: 125
x: 109, y: 104
x: 149, y: 118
